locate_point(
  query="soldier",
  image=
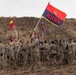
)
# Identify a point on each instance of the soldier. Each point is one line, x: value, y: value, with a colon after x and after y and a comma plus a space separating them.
x: 42, y: 53
x: 64, y: 47
x: 55, y: 54
x: 74, y: 52
x: 71, y: 52
x: 2, y: 50
x: 44, y: 50
x: 8, y: 56
x: 14, y: 52
x: 35, y: 54
x: 23, y: 54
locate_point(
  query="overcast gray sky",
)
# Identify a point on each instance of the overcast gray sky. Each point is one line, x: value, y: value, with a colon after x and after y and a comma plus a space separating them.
x: 35, y: 8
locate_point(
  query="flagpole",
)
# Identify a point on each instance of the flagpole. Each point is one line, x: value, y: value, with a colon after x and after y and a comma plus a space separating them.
x: 37, y: 23
x: 16, y: 32
x: 36, y: 27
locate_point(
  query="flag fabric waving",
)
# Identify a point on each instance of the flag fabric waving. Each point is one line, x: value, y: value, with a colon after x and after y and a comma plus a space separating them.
x: 54, y: 15
x: 12, y: 39
x: 43, y: 27
x: 38, y: 36
x: 11, y: 25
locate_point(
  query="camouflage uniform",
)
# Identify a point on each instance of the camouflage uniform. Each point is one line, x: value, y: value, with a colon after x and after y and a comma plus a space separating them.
x: 23, y: 55
x: 44, y: 50
x: 2, y: 50
x: 71, y: 53
x: 8, y: 57
x: 55, y: 54
x: 74, y: 48
x: 14, y: 53
x: 35, y: 54
x: 64, y: 48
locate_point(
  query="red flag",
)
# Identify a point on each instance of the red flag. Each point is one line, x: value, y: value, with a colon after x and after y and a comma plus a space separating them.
x: 54, y: 15
x: 12, y: 39
x: 11, y: 25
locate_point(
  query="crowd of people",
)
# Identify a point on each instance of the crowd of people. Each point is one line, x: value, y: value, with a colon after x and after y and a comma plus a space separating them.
x: 34, y: 54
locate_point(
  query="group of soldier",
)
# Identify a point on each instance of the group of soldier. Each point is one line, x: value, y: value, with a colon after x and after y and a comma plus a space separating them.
x: 35, y: 54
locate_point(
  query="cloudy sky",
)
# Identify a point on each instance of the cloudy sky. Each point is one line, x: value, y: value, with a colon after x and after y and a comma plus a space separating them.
x: 35, y: 8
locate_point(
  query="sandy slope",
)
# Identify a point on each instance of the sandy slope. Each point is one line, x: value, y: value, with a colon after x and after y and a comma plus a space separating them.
x: 48, y: 70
